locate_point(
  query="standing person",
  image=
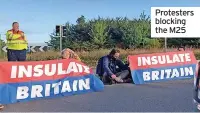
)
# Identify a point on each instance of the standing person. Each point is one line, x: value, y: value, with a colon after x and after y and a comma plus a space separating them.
x: 16, y: 44
x: 107, y: 68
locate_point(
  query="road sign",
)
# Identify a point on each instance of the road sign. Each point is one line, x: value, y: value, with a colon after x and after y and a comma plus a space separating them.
x: 32, y: 48
x: 41, y: 48
x: 4, y: 48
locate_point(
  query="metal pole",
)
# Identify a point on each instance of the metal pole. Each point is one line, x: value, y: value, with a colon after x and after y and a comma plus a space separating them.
x: 60, y: 38
x: 165, y: 44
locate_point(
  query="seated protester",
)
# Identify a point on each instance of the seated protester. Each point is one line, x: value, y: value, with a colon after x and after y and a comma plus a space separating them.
x: 68, y: 53
x: 181, y: 48
x: 109, y: 71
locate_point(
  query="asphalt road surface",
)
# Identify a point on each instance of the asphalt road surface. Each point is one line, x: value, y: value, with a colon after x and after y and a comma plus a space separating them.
x: 171, y: 96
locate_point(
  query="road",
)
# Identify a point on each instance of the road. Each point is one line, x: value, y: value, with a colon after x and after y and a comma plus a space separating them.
x: 171, y: 96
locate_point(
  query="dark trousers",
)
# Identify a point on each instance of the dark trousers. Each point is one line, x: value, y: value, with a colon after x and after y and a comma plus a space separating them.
x: 123, y: 75
x: 16, y: 55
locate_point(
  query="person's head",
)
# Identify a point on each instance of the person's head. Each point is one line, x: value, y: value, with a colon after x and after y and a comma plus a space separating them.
x: 64, y: 54
x: 15, y: 26
x: 181, y: 48
x: 114, y: 53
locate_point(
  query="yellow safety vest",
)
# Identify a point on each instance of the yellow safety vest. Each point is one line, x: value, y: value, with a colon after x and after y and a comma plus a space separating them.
x: 16, y: 40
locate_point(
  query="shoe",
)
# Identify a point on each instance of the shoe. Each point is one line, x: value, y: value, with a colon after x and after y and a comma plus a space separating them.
x: 119, y: 80
x: 107, y: 80
x: 128, y: 80
x: 198, y: 106
x: 1, y: 106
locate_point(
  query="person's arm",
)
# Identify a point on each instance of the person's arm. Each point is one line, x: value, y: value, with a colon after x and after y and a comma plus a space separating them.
x: 121, y: 65
x: 8, y: 35
x: 106, y: 66
x: 25, y: 38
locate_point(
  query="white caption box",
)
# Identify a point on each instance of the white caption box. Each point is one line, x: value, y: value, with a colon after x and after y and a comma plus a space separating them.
x: 175, y: 22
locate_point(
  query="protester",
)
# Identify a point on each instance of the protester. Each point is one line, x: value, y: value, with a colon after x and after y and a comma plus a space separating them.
x: 68, y: 53
x: 107, y: 68
x: 181, y: 48
x: 16, y: 44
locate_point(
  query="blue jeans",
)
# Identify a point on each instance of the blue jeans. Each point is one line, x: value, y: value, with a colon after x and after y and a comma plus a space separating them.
x: 16, y: 55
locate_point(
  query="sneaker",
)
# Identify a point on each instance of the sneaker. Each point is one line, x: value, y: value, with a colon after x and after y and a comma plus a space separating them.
x: 128, y: 80
x: 198, y: 106
x: 1, y: 106
x: 119, y: 80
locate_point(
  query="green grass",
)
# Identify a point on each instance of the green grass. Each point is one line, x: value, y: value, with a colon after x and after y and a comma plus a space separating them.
x: 91, y: 57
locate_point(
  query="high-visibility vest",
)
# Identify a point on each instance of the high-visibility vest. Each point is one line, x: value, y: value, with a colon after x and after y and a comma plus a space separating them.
x: 16, y: 40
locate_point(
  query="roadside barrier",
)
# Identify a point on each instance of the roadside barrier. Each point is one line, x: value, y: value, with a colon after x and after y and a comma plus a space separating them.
x: 25, y: 81
x: 158, y: 67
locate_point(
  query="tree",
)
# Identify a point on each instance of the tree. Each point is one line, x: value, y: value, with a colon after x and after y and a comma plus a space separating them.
x: 119, y: 32
x: 98, y: 33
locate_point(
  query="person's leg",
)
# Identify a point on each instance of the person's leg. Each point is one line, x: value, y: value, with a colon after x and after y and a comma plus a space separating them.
x: 125, y: 76
x: 107, y: 79
x: 129, y: 75
x: 11, y: 55
x: 21, y: 55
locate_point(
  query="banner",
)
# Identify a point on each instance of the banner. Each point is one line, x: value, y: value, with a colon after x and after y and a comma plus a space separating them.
x: 146, y: 68
x: 26, y: 81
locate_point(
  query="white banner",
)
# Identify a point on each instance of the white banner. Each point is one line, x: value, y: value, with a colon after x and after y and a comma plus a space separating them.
x: 175, y: 22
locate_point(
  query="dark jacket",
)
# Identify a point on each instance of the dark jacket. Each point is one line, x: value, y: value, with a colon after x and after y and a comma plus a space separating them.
x: 110, y: 65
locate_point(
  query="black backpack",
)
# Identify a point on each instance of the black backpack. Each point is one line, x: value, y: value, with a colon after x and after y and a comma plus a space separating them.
x: 99, y: 72
x: 99, y: 68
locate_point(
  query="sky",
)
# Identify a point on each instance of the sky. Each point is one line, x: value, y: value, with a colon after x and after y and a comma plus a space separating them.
x: 37, y: 18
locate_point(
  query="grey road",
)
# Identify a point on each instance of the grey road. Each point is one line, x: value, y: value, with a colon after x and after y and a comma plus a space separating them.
x: 171, y: 96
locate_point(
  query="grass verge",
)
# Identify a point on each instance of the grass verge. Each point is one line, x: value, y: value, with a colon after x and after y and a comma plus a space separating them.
x: 91, y: 57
